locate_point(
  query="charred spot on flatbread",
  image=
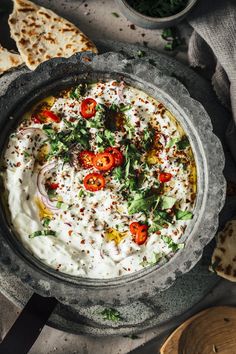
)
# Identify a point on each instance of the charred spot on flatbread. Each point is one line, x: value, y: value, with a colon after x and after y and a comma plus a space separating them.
x: 8, y: 60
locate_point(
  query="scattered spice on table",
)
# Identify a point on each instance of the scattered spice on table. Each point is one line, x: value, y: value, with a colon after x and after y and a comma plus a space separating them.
x: 172, y: 38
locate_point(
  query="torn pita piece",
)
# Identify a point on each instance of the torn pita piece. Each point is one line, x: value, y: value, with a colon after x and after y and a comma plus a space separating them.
x: 8, y: 60
x: 224, y: 256
x: 40, y: 34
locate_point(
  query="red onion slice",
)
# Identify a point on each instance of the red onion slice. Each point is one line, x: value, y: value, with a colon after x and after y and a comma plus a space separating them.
x: 41, y: 187
x: 47, y: 202
x: 31, y: 130
x: 41, y: 176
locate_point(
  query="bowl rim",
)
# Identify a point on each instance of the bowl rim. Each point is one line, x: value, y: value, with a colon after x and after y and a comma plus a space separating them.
x: 187, y: 8
x: 112, y: 64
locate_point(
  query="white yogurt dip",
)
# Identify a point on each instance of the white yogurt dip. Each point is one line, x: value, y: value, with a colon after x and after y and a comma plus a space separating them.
x: 152, y: 182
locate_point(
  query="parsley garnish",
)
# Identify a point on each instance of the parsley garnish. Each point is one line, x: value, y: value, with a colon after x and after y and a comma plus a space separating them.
x: 183, y: 215
x: 140, y: 203
x: 183, y: 143
x: 118, y: 173
x: 62, y: 142
x: 46, y: 222
x: 46, y: 232
x: 115, y: 14
x: 171, y: 244
x: 78, y: 91
x: 111, y: 314
x: 26, y: 154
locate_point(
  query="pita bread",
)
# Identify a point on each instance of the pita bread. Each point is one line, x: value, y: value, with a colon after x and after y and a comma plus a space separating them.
x: 224, y: 255
x: 8, y: 60
x: 40, y: 34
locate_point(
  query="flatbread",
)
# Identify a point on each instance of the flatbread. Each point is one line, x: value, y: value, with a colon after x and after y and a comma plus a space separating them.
x: 224, y: 255
x: 40, y: 34
x: 8, y: 60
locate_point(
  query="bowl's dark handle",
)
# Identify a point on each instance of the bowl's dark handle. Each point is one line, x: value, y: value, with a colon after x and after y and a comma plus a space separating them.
x: 28, y: 325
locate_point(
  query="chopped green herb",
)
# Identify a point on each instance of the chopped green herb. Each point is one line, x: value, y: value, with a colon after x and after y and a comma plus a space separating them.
x: 172, y: 37
x: 154, y: 260
x: 98, y: 120
x: 167, y: 33
x: 183, y: 215
x: 62, y: 142
x: 142, y: 204
x: 61, y: 205
x: 148, y: 138
x: 118, y: 173
x: 172, y: 142
x: 111, y: 314
x: 110, y: 136
x: 167, y: 202
x: 131, y: 336
x: 124, y: 108
x: 78, y: 91
x: 161, y: 218
x: 81, y: 193
x: 43, y: 233
x: 141, y: 53
x: 46, y: 222
x: 171, y: 244
x: 26, y: 154
x: 183, y: 143
x: 115, y: 14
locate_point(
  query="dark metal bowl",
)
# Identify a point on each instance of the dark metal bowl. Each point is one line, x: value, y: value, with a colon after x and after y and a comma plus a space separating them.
x: 57, y: 74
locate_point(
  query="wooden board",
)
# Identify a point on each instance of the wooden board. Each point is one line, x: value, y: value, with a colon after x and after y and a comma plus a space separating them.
x: 210, y: 331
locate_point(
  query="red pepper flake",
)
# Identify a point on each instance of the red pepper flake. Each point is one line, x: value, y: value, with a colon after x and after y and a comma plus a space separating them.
x: 82, y: 242
x: 70, y: 232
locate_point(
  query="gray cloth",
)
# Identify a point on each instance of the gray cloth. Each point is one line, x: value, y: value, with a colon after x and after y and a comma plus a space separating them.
x: 213, y: 47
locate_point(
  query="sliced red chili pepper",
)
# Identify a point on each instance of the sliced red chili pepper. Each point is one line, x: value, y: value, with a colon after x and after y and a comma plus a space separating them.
x: 52, y: 186
x: 88, y: 108
x: 36, y: 119
x: 103, y: 161
x: 134, y: 227
x: 165, y: 177
x: 86, y: 158
x: 141, y: 235
x: 51, y: 115
x: 93, y: 182
x: 43, y: 116
x: 117, y: 154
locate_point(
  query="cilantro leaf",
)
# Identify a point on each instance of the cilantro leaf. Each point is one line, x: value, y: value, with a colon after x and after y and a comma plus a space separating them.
x: 140, y: 203
x: 171, y: 244
x: 118, y: 173
x: 167, y: 202
x: 183, y: 215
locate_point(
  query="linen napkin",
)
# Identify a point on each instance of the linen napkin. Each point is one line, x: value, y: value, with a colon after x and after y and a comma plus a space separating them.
x: 212, y: 46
